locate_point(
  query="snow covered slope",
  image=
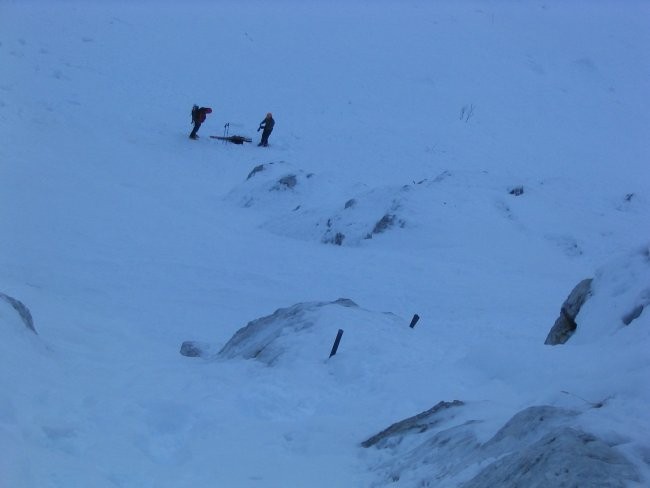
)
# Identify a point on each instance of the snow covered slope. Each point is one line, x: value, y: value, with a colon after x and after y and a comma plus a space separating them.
x: 467, y: 161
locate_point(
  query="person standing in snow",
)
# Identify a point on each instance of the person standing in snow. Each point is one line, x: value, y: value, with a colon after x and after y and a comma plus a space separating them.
x: 267, y: 124
x: 198, y: 117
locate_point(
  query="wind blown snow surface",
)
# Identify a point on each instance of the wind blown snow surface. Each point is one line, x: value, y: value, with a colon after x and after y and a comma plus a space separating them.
x: 470, y: 162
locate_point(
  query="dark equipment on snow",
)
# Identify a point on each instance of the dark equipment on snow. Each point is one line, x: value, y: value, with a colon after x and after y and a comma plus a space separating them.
x: 337, y: 341
x: 195, y: 114
x: 233, y: 139
x: 226, y: 130
x: 414, y: 320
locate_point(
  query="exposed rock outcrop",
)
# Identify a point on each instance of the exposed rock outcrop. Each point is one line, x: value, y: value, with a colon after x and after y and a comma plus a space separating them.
x: 565, y: 325
x: 540, y: 446
x: 193, y: 349
x: 418, y: 423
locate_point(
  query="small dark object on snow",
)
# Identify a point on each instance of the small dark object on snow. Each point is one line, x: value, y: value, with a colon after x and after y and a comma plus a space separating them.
x: 255, y: 170
x: 384, y: 223
x: 517, y: 190
x: 191, y: 349
x: 414, y: 320
x: 337, y: 341
x: 233, y: 139
x: 634, y: 314
x: 289, y: 181
x: 22, y: 310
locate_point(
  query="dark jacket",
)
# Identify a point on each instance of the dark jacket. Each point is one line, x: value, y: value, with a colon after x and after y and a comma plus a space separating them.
x: 267, y: 124
x: 201, y: 114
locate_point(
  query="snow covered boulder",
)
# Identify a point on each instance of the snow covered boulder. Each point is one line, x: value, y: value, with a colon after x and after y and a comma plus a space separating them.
x: 441, y: 412
x: 275, y: 188
x: 302, y: 205
x: 618, y: 296
x: 304, y: 333
x: 539, y: 446
x: 365, y: 215
x: 563, y: 457
x: 437, y: 444
x: 9, y: 306
x: 565, y: 325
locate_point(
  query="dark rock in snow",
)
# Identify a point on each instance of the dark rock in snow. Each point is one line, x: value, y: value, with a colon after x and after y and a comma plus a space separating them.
x: 22, y: 310
x: 259, y: 168
x: 193, y: 349
x: 635, y: 313
x: 565, y: 325
x: 255, y: 170
x: 384, y: 223
x: 642, y: 302
x: 286, y: 182
x: 516, y: 191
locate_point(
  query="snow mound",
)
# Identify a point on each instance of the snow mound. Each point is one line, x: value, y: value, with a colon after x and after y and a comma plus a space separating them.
x: 304, y: 333
x: 304, y: 206
x: 508, y: 214
x: 273, y: 187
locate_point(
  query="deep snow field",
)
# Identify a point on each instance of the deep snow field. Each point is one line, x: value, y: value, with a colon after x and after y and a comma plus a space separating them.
x: 402, y: 131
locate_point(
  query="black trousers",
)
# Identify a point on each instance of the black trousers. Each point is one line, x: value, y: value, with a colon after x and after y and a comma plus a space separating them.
x: 196, y: 129
x: 265, y: 137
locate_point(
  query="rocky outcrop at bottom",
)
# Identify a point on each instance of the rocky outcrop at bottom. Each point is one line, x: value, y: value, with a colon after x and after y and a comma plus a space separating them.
x: 540, y: 446
x: 565, y: 457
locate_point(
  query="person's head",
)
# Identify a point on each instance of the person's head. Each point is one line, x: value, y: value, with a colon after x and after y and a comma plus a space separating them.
x: 208, y: 110
x: 269, y: 115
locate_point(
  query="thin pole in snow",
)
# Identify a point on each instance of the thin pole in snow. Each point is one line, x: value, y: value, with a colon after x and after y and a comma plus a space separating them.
x: 337, y: 341
x: 414, y: 320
